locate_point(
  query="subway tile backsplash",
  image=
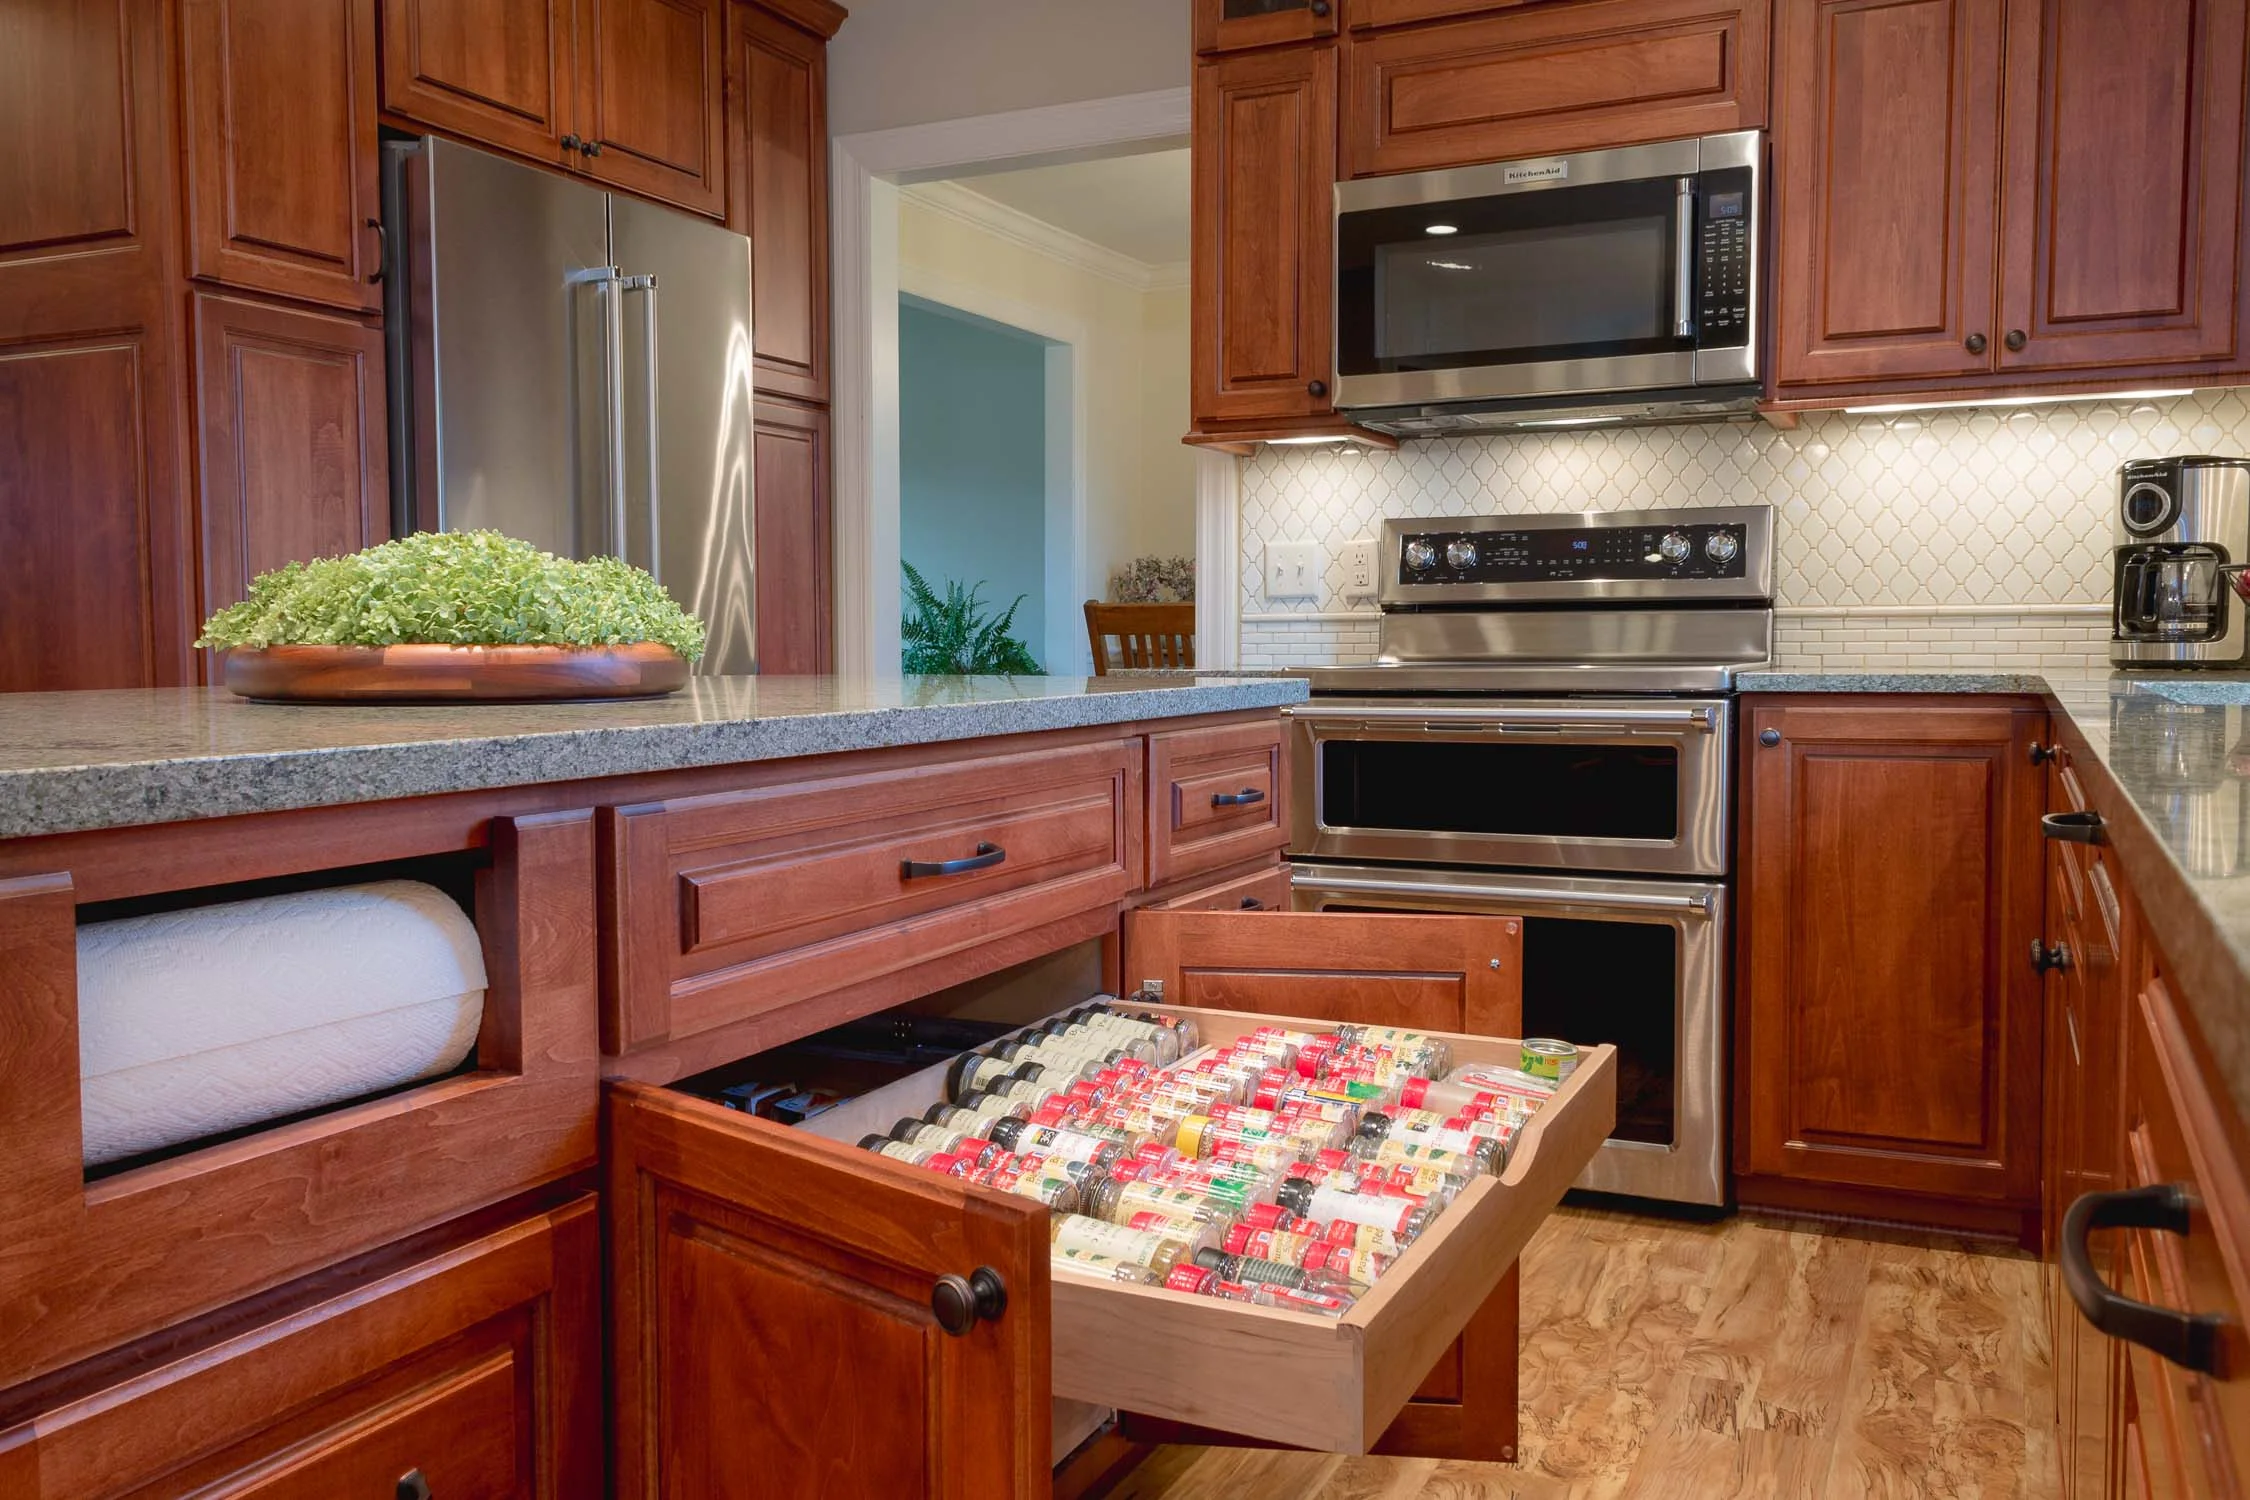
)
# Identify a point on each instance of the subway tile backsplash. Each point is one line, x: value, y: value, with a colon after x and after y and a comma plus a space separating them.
x: 1939, y: 538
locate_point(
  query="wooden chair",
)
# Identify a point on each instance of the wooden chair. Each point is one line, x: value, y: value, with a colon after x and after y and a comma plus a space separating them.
x: 1148, y: 635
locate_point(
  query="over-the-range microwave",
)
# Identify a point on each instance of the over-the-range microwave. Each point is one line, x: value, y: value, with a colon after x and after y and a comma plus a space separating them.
x: 1611, y: 285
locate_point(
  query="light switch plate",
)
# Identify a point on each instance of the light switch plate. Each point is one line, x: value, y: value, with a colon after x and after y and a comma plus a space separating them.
x: 1359, y: 568
x: 1293, y: 570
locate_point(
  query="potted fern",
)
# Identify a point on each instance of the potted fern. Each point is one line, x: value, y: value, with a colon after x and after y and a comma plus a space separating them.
x: 956, y: 634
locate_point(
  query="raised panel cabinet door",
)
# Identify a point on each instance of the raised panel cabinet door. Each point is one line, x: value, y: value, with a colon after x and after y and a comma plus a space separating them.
x: 1226, y: 25
x: 1888, y: 1016
x: 283, y: 164
x: 294, y: 457
x: 773, y: 1328
x: 651, y: 100
x: 96, y: 587
x: 793, y: 558
x: 1886, y: 149
x: 1426, y: 973
x: 2121, y: 215
x: 500, y: 73
x: 778, y: 139
x: 1265, y: 170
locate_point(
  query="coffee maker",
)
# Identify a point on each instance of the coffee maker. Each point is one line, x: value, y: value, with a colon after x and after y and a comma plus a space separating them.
x: 2182, y: 543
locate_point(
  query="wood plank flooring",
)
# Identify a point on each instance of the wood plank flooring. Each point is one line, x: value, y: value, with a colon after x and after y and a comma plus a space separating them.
x: 1769, y: 1358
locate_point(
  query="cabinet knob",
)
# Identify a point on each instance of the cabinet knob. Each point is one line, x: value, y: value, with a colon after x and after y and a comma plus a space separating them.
x: 1317, y: 388
x: 2015, y: 339
x: 1769, y: 737
x: 958, y: 1302
x: 2041, y: 754
x: 572, y: 143
x: 1320, y: 8
x: 2045, y: 959
x: 412, y: 1486
x: 592, y: 148
x: 1974, y: 343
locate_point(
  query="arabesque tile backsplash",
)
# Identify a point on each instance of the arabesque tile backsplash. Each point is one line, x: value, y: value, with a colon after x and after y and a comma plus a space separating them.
x: 1972, y: 537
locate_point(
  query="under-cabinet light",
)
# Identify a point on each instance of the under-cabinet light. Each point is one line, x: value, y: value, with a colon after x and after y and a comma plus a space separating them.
x: 1306, y: 442
x: 1570, y: 421
x: 1443, y: 229
x: 1895, y: 406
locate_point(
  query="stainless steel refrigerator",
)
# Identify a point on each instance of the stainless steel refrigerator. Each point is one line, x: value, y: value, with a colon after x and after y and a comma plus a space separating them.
x: 572, y: 367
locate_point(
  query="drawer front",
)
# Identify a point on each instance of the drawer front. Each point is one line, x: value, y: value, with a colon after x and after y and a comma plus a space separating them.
x: 724, y: 907
x: 479, y: 1366
x: 1217, y: 797
x: 1262, y: 890
x: 1548, y: 79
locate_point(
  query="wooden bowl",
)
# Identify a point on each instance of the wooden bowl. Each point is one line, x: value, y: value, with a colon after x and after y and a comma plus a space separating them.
x: 454, y: 674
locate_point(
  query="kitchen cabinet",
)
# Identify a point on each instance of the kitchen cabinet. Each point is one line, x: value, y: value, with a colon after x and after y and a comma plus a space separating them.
x: 1229, y: 25
x: 1888, y: 1048
x: 1261, y: 299
x: 293, y: 456
x: 778, y: 135
x: 1535, y: 80
x: 1216, y: 798
x: 501, y: 73
x: 795, y: 560
x: 278, y: 102
x: 96, y: 563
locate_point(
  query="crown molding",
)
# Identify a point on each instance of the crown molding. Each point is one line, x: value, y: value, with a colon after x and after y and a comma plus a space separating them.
x: 966, y: 205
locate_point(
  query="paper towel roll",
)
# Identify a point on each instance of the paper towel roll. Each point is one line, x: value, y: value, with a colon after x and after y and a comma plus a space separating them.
x: 195, y: 1022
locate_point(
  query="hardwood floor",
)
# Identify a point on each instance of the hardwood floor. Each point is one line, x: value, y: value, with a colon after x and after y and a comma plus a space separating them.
x: 1781, y: 1359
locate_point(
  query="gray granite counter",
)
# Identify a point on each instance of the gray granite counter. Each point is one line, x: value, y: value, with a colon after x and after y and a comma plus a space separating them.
x: 1878, y: 681
x: 74, y: 761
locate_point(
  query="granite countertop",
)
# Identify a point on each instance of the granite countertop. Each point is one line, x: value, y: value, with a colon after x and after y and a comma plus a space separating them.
x: 75, y: 761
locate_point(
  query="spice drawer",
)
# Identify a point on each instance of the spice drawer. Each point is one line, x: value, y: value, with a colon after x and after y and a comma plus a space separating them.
x: 1216, y: 798
x: 735, y: 907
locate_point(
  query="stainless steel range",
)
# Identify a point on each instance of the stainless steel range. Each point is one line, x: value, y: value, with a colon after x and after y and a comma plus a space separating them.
x: 1547, y: 731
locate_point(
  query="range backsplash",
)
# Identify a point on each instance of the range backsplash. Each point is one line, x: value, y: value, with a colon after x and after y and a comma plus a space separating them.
x: 1933, y: 538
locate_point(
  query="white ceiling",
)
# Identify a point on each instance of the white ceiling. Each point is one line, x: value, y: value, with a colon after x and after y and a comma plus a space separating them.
x: 1135, y: 205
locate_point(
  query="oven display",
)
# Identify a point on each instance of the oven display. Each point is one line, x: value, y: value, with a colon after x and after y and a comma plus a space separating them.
x: 1689, y: 550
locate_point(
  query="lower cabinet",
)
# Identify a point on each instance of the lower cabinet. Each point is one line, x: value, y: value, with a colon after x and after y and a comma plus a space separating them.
x: 1887, y: 1017
x: 777, y: 1294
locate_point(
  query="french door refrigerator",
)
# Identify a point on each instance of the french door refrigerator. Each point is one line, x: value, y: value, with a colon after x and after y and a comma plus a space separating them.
x: 573, y: 367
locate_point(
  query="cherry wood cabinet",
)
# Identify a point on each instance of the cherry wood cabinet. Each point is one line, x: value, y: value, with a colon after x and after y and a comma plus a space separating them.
x: 651, y: 100
x: 795, y: 558
x: 778, y: 133
x: 278, y: 101
x: 292, y: 450
x: 1215, y: 798
x: 1228, y: 25
x: 499, y: 72
x: 1887, y: 1019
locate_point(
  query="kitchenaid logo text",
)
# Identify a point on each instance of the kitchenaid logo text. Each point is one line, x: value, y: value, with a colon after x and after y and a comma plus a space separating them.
x: 1535, y: 171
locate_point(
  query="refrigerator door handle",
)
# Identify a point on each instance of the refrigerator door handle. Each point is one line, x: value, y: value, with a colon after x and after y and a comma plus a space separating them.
x: 606, y: 281
x: 646, y: 287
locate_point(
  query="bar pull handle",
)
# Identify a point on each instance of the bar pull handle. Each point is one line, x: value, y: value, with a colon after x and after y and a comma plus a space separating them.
x: 1247, y: 797
x: 645, y: 288
x: 985, y: 858
x: 1683, y: 263
x: 2189, y: 1340
x: 2073, y: 827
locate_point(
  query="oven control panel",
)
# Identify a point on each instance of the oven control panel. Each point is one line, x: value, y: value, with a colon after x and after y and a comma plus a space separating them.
x: 1682, y: 550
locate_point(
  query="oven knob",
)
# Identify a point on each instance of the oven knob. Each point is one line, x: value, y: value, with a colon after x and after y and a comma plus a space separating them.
x: 1674, y: 547
x: 1420, y: 555
x: 1461, y: 554
x: 1720, y: 546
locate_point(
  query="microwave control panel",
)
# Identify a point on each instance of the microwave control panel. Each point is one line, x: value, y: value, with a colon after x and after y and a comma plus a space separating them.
x: 1725, y: 206
x: 1575, y: 554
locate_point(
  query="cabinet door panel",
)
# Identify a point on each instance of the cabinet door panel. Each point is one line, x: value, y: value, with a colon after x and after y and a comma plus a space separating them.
x: 1265, y: 167
x: 780, y: 146
x: 794, y: 563
x: 498, y: 72
x: 772, y: 1316
x: 294, y: 463
x: 2122, y: 218
x: 282, y: 160
x: 652, y: 99
x: 1886, y: 149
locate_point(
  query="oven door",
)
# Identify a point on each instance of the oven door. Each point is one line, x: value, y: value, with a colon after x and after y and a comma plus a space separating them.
x: 1637, y: 785
x: 1639, y: 964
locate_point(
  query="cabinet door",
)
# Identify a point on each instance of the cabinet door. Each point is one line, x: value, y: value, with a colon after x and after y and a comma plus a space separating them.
x: 778, y: 135
x: 1886, y: 150
x: 95, y: 587
x: 1430, y: 973
x: 278, y: 97
x: 651, y: 104
x: 496, y: 72
x: 1887, y: 1017
x: 2122, y: 202
x: 293, y: 452
x: 772, y: 1324
x: 1265, y: 171
x: 794, y: 564
x: 1224, y: 25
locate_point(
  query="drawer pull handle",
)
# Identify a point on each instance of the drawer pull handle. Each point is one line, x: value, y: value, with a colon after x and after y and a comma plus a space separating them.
x: 985, y: 858
x: 2073, y: 827
x: 1252, y: 903
x: 412, y: 1486
x: 1248, y: 796
x: 2189, y: 1340
x: 959, y: 1302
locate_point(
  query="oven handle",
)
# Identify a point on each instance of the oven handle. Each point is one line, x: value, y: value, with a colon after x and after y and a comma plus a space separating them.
x: 1705, y: 718
x: 1699, y: 903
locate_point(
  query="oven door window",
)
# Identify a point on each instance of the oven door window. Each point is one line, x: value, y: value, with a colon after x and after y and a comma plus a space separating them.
x: 1531, y: 789
x: 1616, y: 982
x: 1563, y: 274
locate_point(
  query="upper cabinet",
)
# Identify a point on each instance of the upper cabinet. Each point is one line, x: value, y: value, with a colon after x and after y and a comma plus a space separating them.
x: 278, y: 104
x: 1227, y: 25
x: 651, y: 109
x: 497, y: 71
x: 777, y: 96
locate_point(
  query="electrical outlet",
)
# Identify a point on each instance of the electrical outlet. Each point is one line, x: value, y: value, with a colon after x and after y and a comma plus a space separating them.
x: 1359, y: 568
x: 1292, y: 570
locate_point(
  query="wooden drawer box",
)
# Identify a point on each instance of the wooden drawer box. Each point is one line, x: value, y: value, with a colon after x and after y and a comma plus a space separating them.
x: 1547, y: 79
x: 1217, y: 797
x: 726, y: 913
x: 478, y: 1365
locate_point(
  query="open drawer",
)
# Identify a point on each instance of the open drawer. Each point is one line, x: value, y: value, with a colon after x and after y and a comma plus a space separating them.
x: 774, y: 1287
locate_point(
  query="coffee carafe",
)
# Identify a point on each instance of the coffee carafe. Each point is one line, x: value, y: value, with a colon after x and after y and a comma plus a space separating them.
x: 2180, y: 563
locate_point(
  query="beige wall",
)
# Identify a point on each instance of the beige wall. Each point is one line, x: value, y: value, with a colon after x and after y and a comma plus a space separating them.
x: 1165, y: 517
x: 909, y: 62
